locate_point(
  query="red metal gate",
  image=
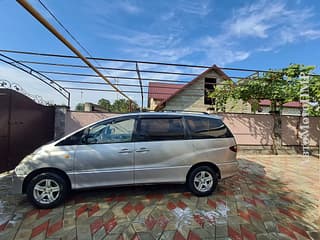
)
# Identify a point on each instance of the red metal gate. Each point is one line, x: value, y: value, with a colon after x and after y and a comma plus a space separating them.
x: 24, y: 126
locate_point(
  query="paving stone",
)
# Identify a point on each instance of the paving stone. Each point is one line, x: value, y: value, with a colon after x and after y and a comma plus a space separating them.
x: 270, y: 198
x: 144, y: 236
x: 83, y: 232
x: 23, y: 234
x: 100, y: 234
x: 203, y: 233
x: 115, y: 236
x: 167, y: 235
x: 221, y: 231
x: 128, y: 233
x: 270, y: 226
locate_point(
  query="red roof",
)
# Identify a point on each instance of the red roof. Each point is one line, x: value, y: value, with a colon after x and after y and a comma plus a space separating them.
x: 294, y: 104
x: 162, y: 91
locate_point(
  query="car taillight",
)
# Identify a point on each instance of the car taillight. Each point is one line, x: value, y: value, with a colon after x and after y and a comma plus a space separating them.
x: 233, y: 148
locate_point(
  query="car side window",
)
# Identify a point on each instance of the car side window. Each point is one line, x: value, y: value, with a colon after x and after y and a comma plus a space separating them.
x: 160, y: 129
x: 75, y: 139
x: 202, y: 127
x: 111, y: 132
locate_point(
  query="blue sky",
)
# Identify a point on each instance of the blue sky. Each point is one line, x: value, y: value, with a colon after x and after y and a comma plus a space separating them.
x: 243, y: 34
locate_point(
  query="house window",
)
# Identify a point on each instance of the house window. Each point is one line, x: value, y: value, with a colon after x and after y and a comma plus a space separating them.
x: 209, y: 86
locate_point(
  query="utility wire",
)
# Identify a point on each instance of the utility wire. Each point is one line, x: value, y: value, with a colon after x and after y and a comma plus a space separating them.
x: 64, y: 28
x: 69, y: 33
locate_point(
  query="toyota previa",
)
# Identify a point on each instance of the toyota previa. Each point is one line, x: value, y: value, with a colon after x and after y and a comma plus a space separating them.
x: 139, y: 148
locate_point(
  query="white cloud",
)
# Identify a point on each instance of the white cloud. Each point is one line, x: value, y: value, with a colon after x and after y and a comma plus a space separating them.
x: 107, y: 8
x: 200, y: 7
x: 271, y: 24
x: 143, y: 39
x: 129, y: 7
x: 272, y: 20
x: 148, y: 46
x: 221, y: 51
x: 259, y: 26
x: 310, y: 34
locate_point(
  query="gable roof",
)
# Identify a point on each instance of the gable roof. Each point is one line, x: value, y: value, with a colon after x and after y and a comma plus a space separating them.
x: 214, y: 68
x: 162, y: 91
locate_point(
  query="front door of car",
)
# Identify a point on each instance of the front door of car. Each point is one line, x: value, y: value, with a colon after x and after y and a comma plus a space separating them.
x: 107, y: 156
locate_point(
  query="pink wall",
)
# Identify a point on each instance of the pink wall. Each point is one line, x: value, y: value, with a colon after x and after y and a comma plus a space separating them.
x: 256, y: 129
x: 76, y: 120
x: 289, y: 130
x: 249, y: 129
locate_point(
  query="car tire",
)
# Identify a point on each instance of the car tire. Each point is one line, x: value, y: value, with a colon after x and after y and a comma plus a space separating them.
x: 47, y: 190
x: 202, y: 181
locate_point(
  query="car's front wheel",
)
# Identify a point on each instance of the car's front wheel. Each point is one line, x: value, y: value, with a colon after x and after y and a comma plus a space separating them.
x: 202, y: 181
x: 47, y: 190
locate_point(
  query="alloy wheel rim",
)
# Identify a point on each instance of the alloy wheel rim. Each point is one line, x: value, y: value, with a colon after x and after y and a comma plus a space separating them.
x: 46, y: 191
x: 203, y: 181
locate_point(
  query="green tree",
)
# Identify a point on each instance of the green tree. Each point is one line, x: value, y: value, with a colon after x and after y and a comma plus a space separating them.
x: 279, y: 87
x: 80, y: 107
x: 105, y: 104
x: 123, y: 106
x: 222, y: 93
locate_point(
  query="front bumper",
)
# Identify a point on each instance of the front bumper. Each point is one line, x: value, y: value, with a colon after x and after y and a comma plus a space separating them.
x: 17, y: 183
x: 228, y: 169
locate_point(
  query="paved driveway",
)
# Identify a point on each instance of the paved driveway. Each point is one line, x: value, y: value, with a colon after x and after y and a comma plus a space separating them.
x: 272, y: 197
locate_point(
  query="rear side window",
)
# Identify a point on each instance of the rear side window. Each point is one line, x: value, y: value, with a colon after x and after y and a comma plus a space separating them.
x: 159, y: 129
x: 201, y: 127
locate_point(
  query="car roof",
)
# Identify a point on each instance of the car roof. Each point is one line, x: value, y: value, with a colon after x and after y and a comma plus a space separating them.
x: 196, y: 114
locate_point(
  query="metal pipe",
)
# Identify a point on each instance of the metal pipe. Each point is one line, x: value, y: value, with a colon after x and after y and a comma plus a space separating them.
x: 36, y: 74
x: 47, y: 25
x: 140, y: 83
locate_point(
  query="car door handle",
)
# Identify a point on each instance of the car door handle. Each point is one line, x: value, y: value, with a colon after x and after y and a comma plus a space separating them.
x: 143, y: 150
x: 125, y: 150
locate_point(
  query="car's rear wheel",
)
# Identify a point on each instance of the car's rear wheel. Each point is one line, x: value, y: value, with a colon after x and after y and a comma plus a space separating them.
x: 47, y: 190
x: 202, y: 181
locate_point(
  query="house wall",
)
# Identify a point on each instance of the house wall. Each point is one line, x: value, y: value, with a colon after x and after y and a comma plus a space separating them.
x: 153, y: 103
x: 191, y: 98
x: 285, y: 110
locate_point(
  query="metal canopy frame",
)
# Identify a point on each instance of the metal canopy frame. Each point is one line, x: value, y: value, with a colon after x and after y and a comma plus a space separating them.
x: 38, y: 75
x: 134, y: 76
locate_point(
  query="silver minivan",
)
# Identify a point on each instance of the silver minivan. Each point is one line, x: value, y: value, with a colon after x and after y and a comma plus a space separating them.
x: 138, y: 148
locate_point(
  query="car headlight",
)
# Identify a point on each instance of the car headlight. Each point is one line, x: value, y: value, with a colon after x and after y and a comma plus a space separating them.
x: 21, y: 170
